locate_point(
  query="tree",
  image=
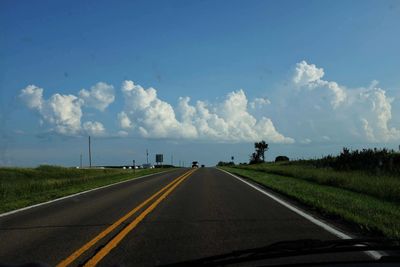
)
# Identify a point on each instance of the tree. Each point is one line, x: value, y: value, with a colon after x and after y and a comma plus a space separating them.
x: 254, y: 158
x: 261, y: 148
x: 259, y: 155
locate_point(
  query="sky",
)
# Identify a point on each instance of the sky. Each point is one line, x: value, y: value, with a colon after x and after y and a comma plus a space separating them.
x: 196, y: 80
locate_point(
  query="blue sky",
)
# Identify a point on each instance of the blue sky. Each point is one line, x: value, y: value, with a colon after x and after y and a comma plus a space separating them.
x: 240, y: 59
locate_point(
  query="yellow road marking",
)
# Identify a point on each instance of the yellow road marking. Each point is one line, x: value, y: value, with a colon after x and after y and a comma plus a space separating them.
x: 118, y: 238
x: 104, y: 233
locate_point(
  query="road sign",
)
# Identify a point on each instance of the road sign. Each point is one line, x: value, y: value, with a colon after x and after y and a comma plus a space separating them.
x: 159, y: 158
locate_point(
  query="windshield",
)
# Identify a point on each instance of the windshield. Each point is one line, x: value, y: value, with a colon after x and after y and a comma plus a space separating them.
x: 167, y: 132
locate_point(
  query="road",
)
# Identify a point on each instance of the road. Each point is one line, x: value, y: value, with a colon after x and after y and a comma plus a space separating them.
x: 197, y: 214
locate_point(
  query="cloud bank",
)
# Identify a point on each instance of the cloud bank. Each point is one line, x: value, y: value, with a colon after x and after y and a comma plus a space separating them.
x: 226, y: 121
x: 64, y: 112
x: 366, y: 112
x: 312, y: 109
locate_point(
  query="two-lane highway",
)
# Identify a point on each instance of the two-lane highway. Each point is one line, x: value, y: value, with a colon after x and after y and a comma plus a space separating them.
x: 52, y: 232
x: 160, y: 219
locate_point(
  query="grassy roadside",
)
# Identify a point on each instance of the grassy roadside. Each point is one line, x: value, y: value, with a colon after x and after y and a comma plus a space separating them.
x: 368, y: 212
x: 382, y: 186
x: 21, y: 187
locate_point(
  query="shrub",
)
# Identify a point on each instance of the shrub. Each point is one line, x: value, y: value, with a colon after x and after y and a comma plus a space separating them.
x: 281, y: 158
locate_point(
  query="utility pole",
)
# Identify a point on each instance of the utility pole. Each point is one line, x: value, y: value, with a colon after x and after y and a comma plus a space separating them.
x: 147, y: 156
x: 80, y: 161
x: 90, y: 155
x: 134, y: 166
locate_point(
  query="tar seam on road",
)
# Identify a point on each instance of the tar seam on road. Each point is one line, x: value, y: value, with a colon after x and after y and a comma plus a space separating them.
x: 76, y: 194
x: 374, y: 254
x: 70, y: 259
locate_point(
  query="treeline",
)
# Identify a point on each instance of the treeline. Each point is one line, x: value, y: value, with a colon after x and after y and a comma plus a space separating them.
x: 371, y: 160
x: 223, y: 163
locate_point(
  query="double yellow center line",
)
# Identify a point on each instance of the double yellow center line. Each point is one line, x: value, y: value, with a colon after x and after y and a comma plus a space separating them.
x: 161, y: 194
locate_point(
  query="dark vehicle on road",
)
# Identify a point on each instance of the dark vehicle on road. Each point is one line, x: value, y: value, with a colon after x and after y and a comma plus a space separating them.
x: 195, y: 164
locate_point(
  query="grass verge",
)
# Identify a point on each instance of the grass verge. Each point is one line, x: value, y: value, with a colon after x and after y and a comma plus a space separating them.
x: 21, y: 187
x: 382, y: 186
x: 369, y: 213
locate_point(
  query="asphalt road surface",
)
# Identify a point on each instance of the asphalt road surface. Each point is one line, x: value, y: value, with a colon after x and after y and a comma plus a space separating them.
x: 161, y: 219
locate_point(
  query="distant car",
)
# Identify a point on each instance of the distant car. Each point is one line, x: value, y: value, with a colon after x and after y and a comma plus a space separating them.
x: 195, y: 164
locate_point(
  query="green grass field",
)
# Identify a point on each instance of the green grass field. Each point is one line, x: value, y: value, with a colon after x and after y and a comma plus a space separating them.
x: 373, y: 210
x: 20, y: 187
x: 381, y: 186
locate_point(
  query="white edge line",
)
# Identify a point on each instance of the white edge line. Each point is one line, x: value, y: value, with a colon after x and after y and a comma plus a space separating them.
x: 374, y: 254
x: 76, y: 194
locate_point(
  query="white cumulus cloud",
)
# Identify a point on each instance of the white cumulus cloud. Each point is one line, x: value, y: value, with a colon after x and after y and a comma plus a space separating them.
x: 312, y: 109
x: 310, y: 76
x: 63, y: 112
x: 307, y: 73
x: 94, y: 128
x: 365, y: 112
x: 225, y: 121
x: 32, y: 96
x: 100, y: 96
x: 155, y: 118
x: 375, y: 111
x: 124, y: 121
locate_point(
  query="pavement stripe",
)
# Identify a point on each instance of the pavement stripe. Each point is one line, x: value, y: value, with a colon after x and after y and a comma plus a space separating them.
x: 77, y: 194
x: 121, y: 235
x: 374, y: 254
x: 70, y: 259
